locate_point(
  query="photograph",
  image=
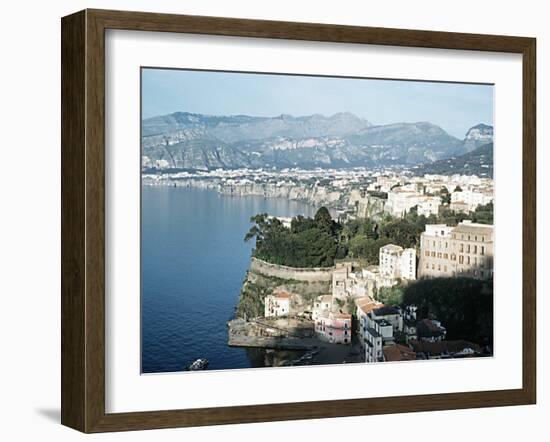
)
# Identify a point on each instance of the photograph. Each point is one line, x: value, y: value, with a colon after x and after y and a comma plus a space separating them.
x: 300, y: 220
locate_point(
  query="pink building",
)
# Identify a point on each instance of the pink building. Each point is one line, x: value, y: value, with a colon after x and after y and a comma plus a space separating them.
x: 334, y: 327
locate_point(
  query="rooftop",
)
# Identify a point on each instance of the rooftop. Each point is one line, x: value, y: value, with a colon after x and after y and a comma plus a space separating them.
x: 398, y: 352
x: 386, y: 310
x: 444, y: 347
x: 428, y: 328
x: 373, y: 332
x: 469, y: 227
x: 325, y: 298
x: 367, y: 305
x: 391, y: 248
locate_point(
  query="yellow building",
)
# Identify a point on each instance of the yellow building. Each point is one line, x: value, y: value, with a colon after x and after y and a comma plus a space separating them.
x: 464, y: 250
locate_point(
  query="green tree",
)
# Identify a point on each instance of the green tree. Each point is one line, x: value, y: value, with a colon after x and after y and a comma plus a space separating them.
x: 463, y: 305
x: 390, y: 295
x: 445, y: 195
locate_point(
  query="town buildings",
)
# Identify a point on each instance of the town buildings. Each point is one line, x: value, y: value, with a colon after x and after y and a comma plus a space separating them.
x: 277, y: 304
x: 398, y: 352
x: 364, y: 306
x: 464, y: 250
x: 469, y: 200
x: 334, y: 327
x: 396, y: 262
x: 446, y: 349
x: 430, y: 330
x: 331, y: 324
x: 402, y: 199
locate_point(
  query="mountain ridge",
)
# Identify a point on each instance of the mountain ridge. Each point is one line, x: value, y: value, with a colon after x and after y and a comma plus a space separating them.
x: 184, y: 140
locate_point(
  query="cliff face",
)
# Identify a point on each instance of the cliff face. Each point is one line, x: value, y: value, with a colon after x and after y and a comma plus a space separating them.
x: 315, y: 195
x: 263, y: 278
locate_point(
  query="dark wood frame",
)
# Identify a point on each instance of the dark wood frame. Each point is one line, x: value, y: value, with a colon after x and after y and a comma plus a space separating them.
x: 83, y: 220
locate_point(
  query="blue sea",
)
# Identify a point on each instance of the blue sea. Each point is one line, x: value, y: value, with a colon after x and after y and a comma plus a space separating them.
x: 193, y: 263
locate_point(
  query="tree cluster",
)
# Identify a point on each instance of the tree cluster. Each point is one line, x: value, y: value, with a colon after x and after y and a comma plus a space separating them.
x: 310, y: 242
x: 463, y: 305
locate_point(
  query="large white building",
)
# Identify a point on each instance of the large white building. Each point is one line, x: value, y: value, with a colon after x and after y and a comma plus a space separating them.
x: 396, y: 262
x: 464, y: 250
x: 402, y: 199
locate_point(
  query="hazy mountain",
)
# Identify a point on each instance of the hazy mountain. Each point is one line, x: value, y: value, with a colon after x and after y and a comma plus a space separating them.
x: 478, y: 135
x: 477, y: 162
x: 242, y: 127
x: 194, y: 141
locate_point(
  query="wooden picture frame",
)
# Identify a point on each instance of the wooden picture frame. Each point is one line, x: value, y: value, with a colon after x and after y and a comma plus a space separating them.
x: 83, y: 220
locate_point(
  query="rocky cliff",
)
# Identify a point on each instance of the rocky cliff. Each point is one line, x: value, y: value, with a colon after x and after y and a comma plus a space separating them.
x: 263, y: 278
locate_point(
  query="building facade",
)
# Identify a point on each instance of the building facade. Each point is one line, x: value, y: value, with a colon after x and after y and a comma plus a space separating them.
x: 396, y: 262
x: 472, y: 198
x: 334, y: 327
x: 464, y: 250
x: 277, y: 304
x: 402, y: 199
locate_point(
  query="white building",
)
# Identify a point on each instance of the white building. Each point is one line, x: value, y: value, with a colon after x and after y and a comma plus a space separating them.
x: 402, y: 199
x: 364, y: 305
x: 277, y: 304
x: 377, y: 333
x: 472, y: 198
x: 396, y: 262
x: 321, y: 304
x: 341, y: 281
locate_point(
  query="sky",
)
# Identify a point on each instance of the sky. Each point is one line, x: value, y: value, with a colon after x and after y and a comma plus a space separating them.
x: 453, y: 106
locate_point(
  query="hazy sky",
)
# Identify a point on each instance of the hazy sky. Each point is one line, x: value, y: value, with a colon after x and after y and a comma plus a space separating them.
x: 454, y: 107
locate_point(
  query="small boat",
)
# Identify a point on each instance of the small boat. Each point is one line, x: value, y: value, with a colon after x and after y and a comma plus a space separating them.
x: 199, y: 364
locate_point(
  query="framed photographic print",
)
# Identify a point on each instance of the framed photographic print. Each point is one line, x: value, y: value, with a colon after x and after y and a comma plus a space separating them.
x: 267, y: 221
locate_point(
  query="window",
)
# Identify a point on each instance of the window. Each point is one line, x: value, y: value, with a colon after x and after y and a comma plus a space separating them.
x: 446, y: 255
x: 439, y: 255
x: 475, y: 249
x: 461, y: 248
x: 468, y: 248
x: 461, y: 259
x: 439, y: 267
x: 427, y: 253
x: 433, y: 254
x: 468, y: 260
x: 445, y: 268
x: 427, y: 265
x: 483, y: 250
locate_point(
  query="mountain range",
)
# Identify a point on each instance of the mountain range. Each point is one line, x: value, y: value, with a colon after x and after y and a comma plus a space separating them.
x: 191, y: 141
